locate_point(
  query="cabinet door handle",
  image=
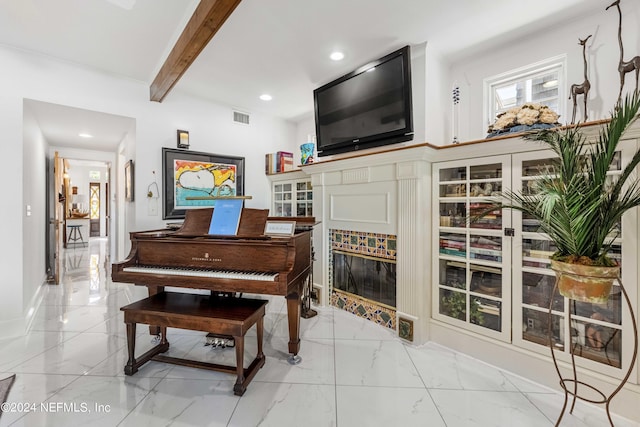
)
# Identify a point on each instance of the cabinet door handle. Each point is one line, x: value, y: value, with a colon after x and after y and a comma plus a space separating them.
x: 509, y: 232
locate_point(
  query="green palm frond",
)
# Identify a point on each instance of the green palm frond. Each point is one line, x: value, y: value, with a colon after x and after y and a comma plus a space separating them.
x: 578, y: 204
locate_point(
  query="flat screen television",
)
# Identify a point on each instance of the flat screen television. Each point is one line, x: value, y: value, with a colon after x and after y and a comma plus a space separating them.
x: 366, y: 108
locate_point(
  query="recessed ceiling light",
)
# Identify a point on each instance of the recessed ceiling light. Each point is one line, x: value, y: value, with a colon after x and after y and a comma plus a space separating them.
x: 337, y: 56
x: 550, y: 83
x: 266, y: 97
x: 85, y: 135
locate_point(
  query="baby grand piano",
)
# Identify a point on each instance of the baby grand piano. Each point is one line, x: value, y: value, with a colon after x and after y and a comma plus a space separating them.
x: 249, y: 262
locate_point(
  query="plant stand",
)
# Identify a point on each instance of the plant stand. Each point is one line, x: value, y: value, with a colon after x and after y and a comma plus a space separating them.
x: 573, y: 382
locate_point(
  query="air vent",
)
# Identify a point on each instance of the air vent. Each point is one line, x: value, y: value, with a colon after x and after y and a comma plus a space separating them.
x: 241, y: 118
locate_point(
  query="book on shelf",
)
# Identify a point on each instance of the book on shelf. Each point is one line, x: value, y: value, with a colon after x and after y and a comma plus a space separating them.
x: 537, y: 253
x: 444, y: 243
x: 281, y: 161
x: 454, y: 236
x: 480, y: 240
x: 454, y: 252
x: 494, y: 258
x: 269, y: 163
x: 285, y: 161
x: 484, y: 251
x: 226, y: 217
x: 494, y: 246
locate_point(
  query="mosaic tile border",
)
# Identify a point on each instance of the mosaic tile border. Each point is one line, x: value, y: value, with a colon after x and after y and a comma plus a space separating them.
x: 360, y: 242
x: 366, y: 309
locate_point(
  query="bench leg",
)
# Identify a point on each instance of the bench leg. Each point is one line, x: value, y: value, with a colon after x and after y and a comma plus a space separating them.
x: 246, y: 375
x: 130, y: 367
x: 240, y: 386
x: 133, y: 364
x: 260, y: 333
x: 163, y: 336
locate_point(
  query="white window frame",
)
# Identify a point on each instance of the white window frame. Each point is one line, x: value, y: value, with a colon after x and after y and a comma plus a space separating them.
x: 558, y: 63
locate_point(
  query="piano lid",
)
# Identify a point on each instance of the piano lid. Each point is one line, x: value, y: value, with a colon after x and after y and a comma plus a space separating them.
x: 196, y: 222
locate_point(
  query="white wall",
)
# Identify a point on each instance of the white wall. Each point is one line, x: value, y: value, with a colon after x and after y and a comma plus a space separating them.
x: 438, y: 101
x: 602, y: 56
x: 34, y: 229
x: 43, y: 79
x: 211, y: 130
x: 419, y: 58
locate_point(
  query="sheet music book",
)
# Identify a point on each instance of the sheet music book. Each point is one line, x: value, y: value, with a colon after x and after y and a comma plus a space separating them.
x: 226, y: 217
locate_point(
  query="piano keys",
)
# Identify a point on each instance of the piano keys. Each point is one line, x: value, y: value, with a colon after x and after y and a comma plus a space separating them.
x: 202, y: 272
x: 249, y: 262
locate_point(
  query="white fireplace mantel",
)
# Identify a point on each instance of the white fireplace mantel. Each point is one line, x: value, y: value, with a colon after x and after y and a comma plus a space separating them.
x: 385, y: 193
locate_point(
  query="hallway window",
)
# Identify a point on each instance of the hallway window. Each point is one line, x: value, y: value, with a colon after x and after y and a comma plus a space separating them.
x: 94, y: 201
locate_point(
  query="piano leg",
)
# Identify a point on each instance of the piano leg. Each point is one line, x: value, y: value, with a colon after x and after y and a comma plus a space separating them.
x: 293, y: 313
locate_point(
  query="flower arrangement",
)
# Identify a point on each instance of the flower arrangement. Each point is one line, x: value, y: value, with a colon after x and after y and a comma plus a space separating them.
x: 524, y: 117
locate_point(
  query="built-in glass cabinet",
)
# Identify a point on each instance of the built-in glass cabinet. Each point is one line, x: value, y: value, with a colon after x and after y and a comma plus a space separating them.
x: 595, y: 333
x: 493, y: 274
x: 291, y: 196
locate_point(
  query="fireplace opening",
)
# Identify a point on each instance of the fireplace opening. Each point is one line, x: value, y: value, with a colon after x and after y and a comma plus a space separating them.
x: 368, y: 277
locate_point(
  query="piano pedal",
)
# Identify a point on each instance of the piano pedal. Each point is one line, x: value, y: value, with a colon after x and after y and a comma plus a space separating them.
x: 308, y: 313
x: 219, y: 341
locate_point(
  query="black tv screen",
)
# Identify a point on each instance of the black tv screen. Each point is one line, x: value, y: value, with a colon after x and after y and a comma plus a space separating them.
x: 366, y: 108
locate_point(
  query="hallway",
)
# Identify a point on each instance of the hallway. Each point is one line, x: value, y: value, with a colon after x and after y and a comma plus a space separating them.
x: 353, y: 373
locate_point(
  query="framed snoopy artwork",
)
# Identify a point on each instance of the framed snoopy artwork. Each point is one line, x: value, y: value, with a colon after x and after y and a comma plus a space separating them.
x: 190, y: 177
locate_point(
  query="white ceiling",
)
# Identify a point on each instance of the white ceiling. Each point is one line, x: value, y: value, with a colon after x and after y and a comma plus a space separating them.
x: 280, y: 47
x: 63, y: 125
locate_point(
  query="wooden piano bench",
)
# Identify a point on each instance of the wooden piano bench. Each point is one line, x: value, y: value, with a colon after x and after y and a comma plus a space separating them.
x: 227, y: 316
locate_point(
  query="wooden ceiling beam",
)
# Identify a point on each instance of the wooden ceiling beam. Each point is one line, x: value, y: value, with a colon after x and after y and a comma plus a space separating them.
x: 203, y: 25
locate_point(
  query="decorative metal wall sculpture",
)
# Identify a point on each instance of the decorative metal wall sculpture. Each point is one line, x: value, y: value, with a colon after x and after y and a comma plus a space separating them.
x: 455, y: 95
x: 583, y: 88
x: 624, y: 67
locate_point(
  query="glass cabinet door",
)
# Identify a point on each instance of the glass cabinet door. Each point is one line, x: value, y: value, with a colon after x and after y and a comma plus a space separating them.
x: 473, y: 256
x: 292, y: 198
x: 304, y: 198
x: 282, y: 199
x: 595, y: 333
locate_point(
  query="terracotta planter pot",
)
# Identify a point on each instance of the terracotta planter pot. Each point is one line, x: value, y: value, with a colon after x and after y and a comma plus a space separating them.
x: 586, y: 283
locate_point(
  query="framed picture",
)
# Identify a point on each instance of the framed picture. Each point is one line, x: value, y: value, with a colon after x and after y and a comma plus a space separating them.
x: 128, y: 181
x: 189, y: 176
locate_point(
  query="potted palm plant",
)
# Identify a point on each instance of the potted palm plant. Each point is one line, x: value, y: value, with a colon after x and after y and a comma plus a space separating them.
x: 580, y: 206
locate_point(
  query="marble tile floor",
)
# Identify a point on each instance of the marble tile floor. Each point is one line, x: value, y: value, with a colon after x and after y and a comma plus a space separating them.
x: 353, y: 373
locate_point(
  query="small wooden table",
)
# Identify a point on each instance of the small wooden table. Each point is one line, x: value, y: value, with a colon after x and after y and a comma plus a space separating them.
x: 75, y: 235
x: 220, y: 315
